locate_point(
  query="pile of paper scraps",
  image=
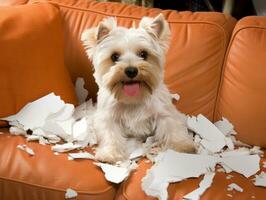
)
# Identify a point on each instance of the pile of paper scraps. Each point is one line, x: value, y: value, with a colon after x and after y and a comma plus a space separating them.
x: 51, y: 120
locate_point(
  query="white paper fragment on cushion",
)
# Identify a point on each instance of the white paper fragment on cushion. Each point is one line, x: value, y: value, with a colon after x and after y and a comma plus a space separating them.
x: 246, y: 165
x: 43, y: 141
x: 260, y: 180
x: 17, y: 131
x: 26, y: 149
x: 229, y: 195
x: 64, y: 114
x: 70, y: 158
x: 62, y: 129
x: 16, y: 124
x: 229, y: 143
x: 234, y: 186
x: 256, y: 150
x: 224, y: 126
x: 65, y: 147
x: 29, y: 151
x: 237, y: 152
x: 172, y: 166
x: 70, y: 193
x: 81, y: 92
x: 34, y: 114
x: 52, y: 138
x: 82, y: 155
x: 175, y: 96
x: 39, y: 132
x: 226, y: 168
x: 203, y: 186
x: 212, y: 138
x: 33, y: 138
x: 113, y: 173
x: 80, y: 130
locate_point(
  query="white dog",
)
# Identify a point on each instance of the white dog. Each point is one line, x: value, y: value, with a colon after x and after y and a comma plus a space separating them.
x: 133, y: 100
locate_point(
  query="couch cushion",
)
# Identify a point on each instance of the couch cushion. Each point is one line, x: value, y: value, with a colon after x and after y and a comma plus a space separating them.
x: 242, y: 97
x: 31, y: 56
x: 45, y: 175
x: 194, y: 61
x: 131, y: 189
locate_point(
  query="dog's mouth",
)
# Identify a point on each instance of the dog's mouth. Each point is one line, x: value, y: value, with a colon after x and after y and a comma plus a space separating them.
x: 131, y: 88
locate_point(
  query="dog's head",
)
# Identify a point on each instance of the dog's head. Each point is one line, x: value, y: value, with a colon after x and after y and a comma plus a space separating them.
x: 128, y: 62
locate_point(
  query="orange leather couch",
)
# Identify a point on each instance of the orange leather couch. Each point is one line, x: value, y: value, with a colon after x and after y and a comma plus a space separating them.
x: 216, y: 64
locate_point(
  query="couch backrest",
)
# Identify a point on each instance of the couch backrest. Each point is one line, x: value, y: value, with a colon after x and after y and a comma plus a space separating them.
x: 194, y: 60
x: 242, y: 96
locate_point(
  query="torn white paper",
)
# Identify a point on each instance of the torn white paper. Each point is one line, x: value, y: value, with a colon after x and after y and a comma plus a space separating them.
x: 25, y: 148
x: 256, y: 150
x: 224, y: 126
x: 212, y: 138
x: 70, y: 193
x: 260, y: 180
x: 34, y: 114
x: 172, y: 166
x: 229, y: 143
x: 203, y: 186
x: 82, y: 155
x: 81, y: 92
x: 114, y: 173
x: 62, y: 129
x: 33, y: 138
x: 65, y: 147
x: 246, y: 165
x: 17, y: 131
x: 80, y: 130
x: 64, y: 114
x: 237, y: 152
x: 234, y: 186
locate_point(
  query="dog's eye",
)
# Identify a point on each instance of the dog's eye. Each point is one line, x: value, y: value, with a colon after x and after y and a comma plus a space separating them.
x: 143, y: 54
x: 115, y: 57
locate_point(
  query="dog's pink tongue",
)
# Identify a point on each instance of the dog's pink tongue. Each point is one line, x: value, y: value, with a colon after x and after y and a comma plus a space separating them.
x: 131, y: 89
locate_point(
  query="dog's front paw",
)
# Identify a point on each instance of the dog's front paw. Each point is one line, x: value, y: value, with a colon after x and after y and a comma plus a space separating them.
x: 110, y: 154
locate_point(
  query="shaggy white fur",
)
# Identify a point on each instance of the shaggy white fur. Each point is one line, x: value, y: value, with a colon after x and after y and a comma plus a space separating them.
x: 135, y: 104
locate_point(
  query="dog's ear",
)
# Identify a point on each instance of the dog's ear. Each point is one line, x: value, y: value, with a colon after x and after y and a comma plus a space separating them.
x: 105, y: 27
x: 91, y: 37
x: 158, y: 28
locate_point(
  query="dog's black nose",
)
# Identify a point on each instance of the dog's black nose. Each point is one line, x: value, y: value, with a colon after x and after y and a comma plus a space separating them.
x: 131, y: 72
